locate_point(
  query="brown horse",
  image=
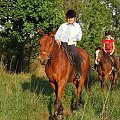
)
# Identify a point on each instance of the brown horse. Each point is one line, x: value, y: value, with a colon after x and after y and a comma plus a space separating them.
x: 59, y: 70
x: 104, y: 67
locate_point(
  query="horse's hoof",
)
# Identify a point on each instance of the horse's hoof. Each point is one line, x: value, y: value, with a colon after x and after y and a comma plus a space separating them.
x: 60, y: 113
x: 60, y: 117
x: 72, y: 107
x: 82, y: 102
x: 55, y: 117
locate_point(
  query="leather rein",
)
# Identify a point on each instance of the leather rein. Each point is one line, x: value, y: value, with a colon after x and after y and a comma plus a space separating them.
x: 52, y: 52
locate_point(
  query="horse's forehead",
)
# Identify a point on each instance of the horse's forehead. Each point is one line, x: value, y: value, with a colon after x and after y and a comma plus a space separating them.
x: 45, y: 39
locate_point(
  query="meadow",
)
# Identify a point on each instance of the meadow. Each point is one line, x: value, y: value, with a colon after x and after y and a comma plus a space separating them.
x: 28, y: 96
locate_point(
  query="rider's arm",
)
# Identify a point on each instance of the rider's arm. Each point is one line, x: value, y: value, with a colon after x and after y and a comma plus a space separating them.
x: 58, y: 35
x: 113, y: 49
x: 104, y: 47
x: 79, y: 35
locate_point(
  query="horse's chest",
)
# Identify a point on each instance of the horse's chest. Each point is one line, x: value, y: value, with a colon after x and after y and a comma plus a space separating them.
x: 102, y: 70
x: 49, y: 72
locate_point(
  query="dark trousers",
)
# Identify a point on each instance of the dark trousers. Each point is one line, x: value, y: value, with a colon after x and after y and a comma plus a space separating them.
x: 77, y: 58
x: 114, y: 64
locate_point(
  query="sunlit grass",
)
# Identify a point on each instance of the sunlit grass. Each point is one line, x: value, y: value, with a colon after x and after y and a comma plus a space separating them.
x: 30, y: 97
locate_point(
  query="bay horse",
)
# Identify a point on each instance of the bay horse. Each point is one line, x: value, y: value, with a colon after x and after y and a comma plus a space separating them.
x: 59, y: 70
x: 104, y: 67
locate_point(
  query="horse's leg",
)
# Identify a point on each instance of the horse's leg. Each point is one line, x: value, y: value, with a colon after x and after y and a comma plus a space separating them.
x: 106, y: 80
x: 58, y: 105
x: 87, y: 80
x: 60, y: 110
x: 79, y: 90
x: 54, y: 87
x: 101, y: 80
x: 113, y: 80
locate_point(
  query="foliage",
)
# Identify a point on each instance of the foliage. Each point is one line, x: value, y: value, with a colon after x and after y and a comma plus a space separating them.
x: 21, y: 20
x: 96, y: 17
x: 30, y: 97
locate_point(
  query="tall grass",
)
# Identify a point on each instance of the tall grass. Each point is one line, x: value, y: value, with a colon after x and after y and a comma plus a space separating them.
x: 30, y: 97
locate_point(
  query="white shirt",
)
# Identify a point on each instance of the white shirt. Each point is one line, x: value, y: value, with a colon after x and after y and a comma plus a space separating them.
x: 69, y: 33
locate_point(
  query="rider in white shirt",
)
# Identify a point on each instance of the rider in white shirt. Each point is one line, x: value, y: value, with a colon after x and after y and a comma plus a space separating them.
x: 67, y: 35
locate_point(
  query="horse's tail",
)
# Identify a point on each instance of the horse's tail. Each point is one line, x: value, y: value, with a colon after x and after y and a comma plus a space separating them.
x: 88, y: 79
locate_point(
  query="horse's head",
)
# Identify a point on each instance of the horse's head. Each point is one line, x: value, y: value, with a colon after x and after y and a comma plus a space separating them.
x: 46, y: 48
x: 99, y: 52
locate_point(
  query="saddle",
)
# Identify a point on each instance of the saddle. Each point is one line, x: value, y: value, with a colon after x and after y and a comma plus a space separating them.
x: 69, y: 55
x: 74, y: 61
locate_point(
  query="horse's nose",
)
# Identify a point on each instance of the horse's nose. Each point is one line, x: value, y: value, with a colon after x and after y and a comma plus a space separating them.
x: 42, y: 60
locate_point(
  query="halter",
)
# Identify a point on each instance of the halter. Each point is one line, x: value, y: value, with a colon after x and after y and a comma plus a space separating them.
x: 51, y: 53
x: 98, y: 60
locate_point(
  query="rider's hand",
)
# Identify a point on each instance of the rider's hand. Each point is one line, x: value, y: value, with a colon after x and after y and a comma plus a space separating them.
x: 58, y: 42
x: 111, y: 53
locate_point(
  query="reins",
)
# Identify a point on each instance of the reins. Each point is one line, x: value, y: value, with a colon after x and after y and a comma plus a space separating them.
x: 53, y: 52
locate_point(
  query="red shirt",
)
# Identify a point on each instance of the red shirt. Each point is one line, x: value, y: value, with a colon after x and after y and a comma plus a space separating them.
x: 108, y: 45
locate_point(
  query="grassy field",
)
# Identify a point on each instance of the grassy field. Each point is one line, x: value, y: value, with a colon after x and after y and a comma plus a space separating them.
x: 30, y: 97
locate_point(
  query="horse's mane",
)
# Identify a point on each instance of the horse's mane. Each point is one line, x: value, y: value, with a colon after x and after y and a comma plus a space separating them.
x: 52, y: 33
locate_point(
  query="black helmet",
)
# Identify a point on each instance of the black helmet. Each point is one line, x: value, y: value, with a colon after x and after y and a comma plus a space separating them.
x: 70, y: 13
x: 107, y: 33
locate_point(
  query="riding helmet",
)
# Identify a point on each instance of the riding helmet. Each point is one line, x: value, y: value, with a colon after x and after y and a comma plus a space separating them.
x: 71, y: 13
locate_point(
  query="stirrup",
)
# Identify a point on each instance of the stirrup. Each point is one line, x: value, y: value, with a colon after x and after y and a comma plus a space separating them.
x: 93, y: 68
x: 78, y: 76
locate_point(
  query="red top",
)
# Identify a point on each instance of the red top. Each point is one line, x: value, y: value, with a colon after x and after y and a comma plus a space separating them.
x: 108, y: 45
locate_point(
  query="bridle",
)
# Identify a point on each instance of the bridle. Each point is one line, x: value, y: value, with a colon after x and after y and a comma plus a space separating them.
x: 52, y: 52
x: 97, y: 59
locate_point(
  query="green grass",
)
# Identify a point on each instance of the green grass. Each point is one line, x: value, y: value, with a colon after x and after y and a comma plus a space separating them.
x: 30, y: 97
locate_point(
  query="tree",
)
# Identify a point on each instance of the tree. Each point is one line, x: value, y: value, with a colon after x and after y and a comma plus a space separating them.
x: 96, y: 17
x: 21, y: 19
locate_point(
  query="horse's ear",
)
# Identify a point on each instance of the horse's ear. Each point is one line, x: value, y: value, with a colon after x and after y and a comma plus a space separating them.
x: 41, y: 32
x: 52, y: 33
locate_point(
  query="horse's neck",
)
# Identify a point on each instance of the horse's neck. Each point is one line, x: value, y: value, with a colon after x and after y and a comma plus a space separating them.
x: 105, y: 56
x: 56, y: 50
x: 106, y: 60
x: 56, y: 47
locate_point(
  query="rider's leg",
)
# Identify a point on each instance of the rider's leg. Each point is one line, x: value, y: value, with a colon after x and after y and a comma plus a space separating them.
x: 114, y: 66
x: 77, y: 61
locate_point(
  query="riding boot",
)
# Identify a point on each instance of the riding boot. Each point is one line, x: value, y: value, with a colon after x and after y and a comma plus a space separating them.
x: 77, y: 62
x: 114, y: 66
x: 94, y: 67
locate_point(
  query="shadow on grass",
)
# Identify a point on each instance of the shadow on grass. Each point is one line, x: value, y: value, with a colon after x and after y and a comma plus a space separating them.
x: 94, y: 78
x: 39, y: 85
